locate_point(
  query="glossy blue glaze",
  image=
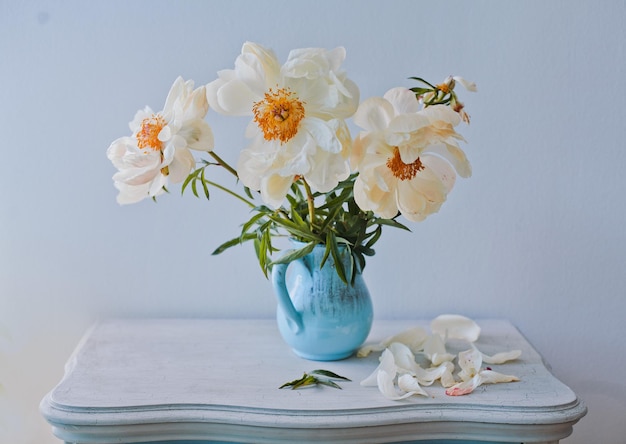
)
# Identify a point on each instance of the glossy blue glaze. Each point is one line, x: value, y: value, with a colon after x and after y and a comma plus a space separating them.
x: 319, y: 316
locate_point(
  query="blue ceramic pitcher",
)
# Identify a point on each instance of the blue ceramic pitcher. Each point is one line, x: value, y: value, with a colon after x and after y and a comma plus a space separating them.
x: 319, y: 316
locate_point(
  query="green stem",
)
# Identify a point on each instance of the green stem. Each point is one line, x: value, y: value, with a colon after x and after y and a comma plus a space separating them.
x: 223, y: 163
x: 232, y: 193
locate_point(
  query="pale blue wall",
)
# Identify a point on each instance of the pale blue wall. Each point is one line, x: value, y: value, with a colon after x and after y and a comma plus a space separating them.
x: 537, y: 235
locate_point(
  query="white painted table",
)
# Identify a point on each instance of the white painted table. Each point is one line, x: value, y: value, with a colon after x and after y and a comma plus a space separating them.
x: 200, y: 381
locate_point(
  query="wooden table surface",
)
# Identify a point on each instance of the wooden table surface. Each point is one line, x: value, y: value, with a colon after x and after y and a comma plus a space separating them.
x: 144, y: 380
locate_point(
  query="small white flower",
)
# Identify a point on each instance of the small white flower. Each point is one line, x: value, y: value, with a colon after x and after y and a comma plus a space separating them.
x: 406, y: 157
x: 158, y: 150
x: 298, y: 110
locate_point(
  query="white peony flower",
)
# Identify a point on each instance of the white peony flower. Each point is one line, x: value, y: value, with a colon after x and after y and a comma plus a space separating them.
x: 298, y: 110
x: 406, y: 157
x: 158, y: 150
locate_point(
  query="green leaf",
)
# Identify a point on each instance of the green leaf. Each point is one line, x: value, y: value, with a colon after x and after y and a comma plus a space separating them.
x: 420, y: 91
x: 329, y: 374
x: 419, y: 79
x: 295, y: 229
x: 264, y: 247
x: 310, y: 379
x: 306, y: 381
x: 392, y: 223
x: 295, y: 254
x: 359, y: 258
x: 231, y: 243
x: 336, y: 254
x: 204, y: 184
x: 194, y: 188
x: 375, y: 236
x: 328, y: 383
x: 251, y: 222
x: 296, y: 217
x: 190, y: 177
x: 295, y: 382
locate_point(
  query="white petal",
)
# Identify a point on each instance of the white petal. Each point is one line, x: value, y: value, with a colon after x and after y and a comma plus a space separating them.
x: 327, y: 170
x: 491, y: 377
x: 165, y: 134
x: 413, y: 338
x: 369, y: 348
x: 274, y: 189
x: 387, y: 364
x: 403, y: 100
x: 198, y: 135
x: 139, y: 168
x: 501, y: 358
x: 181, y: 165
x: 441, y: 170
x: 176, y: 91
x: 464, y: 388
x: 234, y: 98
x: 403, y: 357
x: 440, y: 358
x: 470, y: 86
x: 129, y: 194
x: 411, y: 203
x: 455, y: 327
x: 470, y: 362
x: 387, y: 387
x: 453, y: 154
x: 374, y: 114
x: 410, y: 385
x: 438, y: 114
x: 157, y: 185
x: 484, y: 377
x: 258, y: 67
x: 435, y: 350
x: 407, y: 123
x: 323, y: 133
x: 426, y: 376
x: 447, y: 378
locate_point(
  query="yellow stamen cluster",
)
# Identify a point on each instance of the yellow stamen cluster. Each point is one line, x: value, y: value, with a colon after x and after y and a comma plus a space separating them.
x: 401, y: 170
x: 279, y: 114
x: 444, y: 88
x: 148, y: 134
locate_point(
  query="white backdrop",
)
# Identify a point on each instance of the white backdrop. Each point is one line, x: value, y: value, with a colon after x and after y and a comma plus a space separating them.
x: 537, y: 235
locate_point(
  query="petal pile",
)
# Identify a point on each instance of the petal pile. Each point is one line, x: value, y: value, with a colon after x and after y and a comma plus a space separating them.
x: 399, y: 375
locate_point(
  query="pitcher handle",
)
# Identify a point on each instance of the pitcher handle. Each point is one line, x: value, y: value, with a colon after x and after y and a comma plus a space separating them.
x: 294, y: 319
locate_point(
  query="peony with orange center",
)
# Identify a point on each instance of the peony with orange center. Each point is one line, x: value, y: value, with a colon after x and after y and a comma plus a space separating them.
x: 298, y: 112
x: 158, y: 152
x: 148, y: 133
x: 401, y: 170
x: 279, y: 114
x: 407, y: 157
